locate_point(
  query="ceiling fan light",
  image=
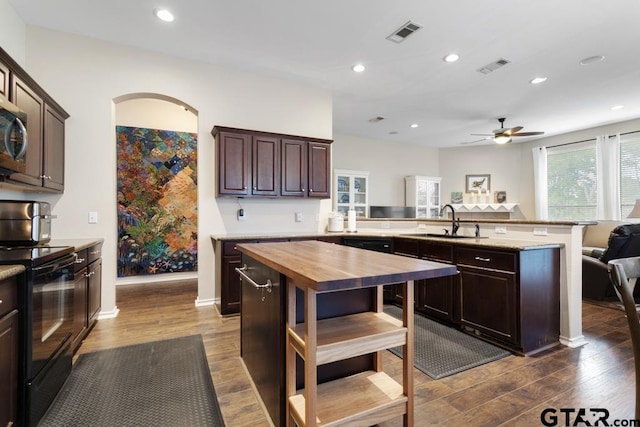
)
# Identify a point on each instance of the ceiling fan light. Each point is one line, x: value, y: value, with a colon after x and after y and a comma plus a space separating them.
x: 452, y: 57
x: 501, y: 139
x: 358, y: 68
x: 164, y: 15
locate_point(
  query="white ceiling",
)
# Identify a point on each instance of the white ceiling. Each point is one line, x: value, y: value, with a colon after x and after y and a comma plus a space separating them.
x: 317, y: 43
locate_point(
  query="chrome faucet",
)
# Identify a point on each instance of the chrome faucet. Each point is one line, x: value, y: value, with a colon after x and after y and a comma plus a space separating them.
x: 455, y: 223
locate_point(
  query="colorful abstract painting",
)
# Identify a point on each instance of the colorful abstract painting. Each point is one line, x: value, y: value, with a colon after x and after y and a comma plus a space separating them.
x: 157, y: 201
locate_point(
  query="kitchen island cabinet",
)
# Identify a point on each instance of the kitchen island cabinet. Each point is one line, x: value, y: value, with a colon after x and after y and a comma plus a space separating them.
x: 331, y: 298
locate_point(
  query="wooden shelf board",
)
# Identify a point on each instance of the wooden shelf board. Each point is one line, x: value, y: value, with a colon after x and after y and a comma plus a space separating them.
x: 353, y: 335
x: 366, y: 398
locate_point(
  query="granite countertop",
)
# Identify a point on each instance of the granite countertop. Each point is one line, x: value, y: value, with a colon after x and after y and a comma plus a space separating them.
x: 513, y: 244
x: 78, y: 244
x: 7, y: 271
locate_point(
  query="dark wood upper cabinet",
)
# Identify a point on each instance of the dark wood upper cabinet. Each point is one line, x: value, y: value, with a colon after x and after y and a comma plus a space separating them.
x: 234, y: 151
x: 294, y: 168
x: 44, y: 158
x: 319, y: 170
x: 31, y: 103
x: 274, y: 165
x: 4, y: 80
x: 266, y: 166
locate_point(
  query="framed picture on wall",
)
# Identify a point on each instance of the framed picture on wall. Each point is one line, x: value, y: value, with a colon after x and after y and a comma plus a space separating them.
x: 481, y: 182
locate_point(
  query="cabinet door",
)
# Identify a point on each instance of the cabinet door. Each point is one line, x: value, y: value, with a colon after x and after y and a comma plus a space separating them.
x: 488, y: 302
x: 266, y: 166
x: 53, y: 166
x: 435, y: 297
x: 230, y: 286
x: 319, y: 170
x: 4, y: 80
x: 79, y: 308
x: 294, y: 168
x: 32, y: 104
x: 9, y: 369
x: 94, y: 285
x: 233, y: 163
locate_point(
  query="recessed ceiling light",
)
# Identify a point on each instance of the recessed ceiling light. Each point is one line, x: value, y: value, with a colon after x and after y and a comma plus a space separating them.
x: 591, y: 60
x: 537, y: 80
x: 163, y: 15
x: 617, y: 107
x: 358, y: 68
x: 415, y: 125
x: 452, y: 57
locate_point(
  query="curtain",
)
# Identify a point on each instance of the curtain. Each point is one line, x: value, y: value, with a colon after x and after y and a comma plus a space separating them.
x: 540, y: 183
x: 608, y: 177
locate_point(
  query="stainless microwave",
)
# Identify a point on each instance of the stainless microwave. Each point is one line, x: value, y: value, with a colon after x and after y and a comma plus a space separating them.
x: 13, y: 137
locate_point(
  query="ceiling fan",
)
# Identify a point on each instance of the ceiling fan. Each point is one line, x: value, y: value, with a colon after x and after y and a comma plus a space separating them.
x: 503, y: 135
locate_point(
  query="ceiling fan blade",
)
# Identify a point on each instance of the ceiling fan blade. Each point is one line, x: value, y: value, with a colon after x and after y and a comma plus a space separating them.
x: 478, y: 140
x: 481, y: 134
x: 527, y: 133
x: 511, y: 131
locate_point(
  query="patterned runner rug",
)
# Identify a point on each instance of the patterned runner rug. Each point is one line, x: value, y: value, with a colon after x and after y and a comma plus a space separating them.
x: 441, y: 350
x: 162, y: 383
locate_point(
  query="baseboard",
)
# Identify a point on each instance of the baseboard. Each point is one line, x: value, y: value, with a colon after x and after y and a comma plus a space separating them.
x: 109, y: 314
x: 202, y: 302
x: 574, y: 342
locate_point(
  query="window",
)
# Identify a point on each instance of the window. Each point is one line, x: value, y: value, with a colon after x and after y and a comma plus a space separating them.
x: 629, y: 172
x: 572, y: 181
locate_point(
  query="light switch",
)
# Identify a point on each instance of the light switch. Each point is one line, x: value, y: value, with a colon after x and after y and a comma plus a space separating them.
x: 299, y: 217
x: 93, y: 217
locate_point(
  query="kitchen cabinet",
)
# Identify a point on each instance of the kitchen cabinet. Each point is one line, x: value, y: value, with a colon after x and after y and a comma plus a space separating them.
x: 423, y: 193
x: 253, y: 163
x: 351, y: 192
x: 511, y: 297
x: 4, y: 80
x: 436, y: 297
x: 9, y: 352
x: 87, y: 292
x: 44, y: 158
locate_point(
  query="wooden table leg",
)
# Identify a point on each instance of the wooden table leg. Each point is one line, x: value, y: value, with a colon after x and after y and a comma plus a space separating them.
x: 290, y: 353
x: 310, y: 367
x: 407, y: 351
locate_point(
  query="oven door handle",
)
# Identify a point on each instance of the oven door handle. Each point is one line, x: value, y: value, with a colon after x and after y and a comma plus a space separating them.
x: 57, y: 264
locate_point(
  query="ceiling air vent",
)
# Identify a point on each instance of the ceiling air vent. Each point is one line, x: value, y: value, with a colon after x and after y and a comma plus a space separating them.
x: 493, y: 66
x: 403, y: 32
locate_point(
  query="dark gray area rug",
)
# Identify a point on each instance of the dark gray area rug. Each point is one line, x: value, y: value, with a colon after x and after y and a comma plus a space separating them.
x: 441, y: 350
x: 162, y: 383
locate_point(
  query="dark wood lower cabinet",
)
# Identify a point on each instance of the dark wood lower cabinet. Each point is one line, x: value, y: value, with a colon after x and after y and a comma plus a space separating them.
x: 9, y: 352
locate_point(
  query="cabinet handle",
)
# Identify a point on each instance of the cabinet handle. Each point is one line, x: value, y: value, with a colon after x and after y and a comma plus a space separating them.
x: 0, y: 301
x: 87, y: 275
x: 79, y: 260
x: 241, y: 272
x: 311, y: 189
x: 483, y: 259
x: 94, y: 252
x: 303, y: 189
x: 45, y: 177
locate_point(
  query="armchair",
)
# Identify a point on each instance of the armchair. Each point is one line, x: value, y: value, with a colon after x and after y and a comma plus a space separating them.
x: 624, y: 242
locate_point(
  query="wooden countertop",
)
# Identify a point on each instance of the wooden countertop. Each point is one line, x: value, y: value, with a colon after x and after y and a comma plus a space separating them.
x: 326, y: 267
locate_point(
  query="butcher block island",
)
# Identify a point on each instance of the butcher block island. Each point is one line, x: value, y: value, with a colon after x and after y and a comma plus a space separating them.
x: 313, y: 331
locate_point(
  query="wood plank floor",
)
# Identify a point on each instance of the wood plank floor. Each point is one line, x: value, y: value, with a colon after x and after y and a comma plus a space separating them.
x: 511, y: 392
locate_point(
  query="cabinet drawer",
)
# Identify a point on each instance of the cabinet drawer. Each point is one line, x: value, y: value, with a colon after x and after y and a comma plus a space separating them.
x: 406, y: 247
x: 505, y: 261
x: 81, y: 260
x: 8, y: 295
x: 94, y: 253
x: 436, y: 251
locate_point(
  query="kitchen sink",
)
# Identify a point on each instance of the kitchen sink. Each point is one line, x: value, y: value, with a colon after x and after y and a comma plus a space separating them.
x: 445, y: 236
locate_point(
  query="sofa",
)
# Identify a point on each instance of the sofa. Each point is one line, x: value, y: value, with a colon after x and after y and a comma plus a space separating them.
x: 601, y: 243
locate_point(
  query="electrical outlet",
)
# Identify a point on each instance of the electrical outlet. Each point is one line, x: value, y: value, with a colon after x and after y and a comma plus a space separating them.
x: 93, y: 217
x: 385, y: 224
x: 539, y: 231
x: 299, y: 217
x: 242, y: 215
x: 500, y: 230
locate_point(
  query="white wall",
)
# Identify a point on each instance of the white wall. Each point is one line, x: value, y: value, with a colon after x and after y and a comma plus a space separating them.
x: 86, y: 88
x: 12, y: 32
x: 387, y: 163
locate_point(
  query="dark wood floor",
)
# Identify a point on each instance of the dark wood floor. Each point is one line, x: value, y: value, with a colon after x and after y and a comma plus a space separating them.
x: 512, y: 391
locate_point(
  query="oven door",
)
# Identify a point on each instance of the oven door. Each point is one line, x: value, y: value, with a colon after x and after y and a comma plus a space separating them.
x: 52, y: 311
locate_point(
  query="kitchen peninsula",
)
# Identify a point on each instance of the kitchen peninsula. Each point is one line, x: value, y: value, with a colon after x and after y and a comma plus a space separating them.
x: 322, y: 303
